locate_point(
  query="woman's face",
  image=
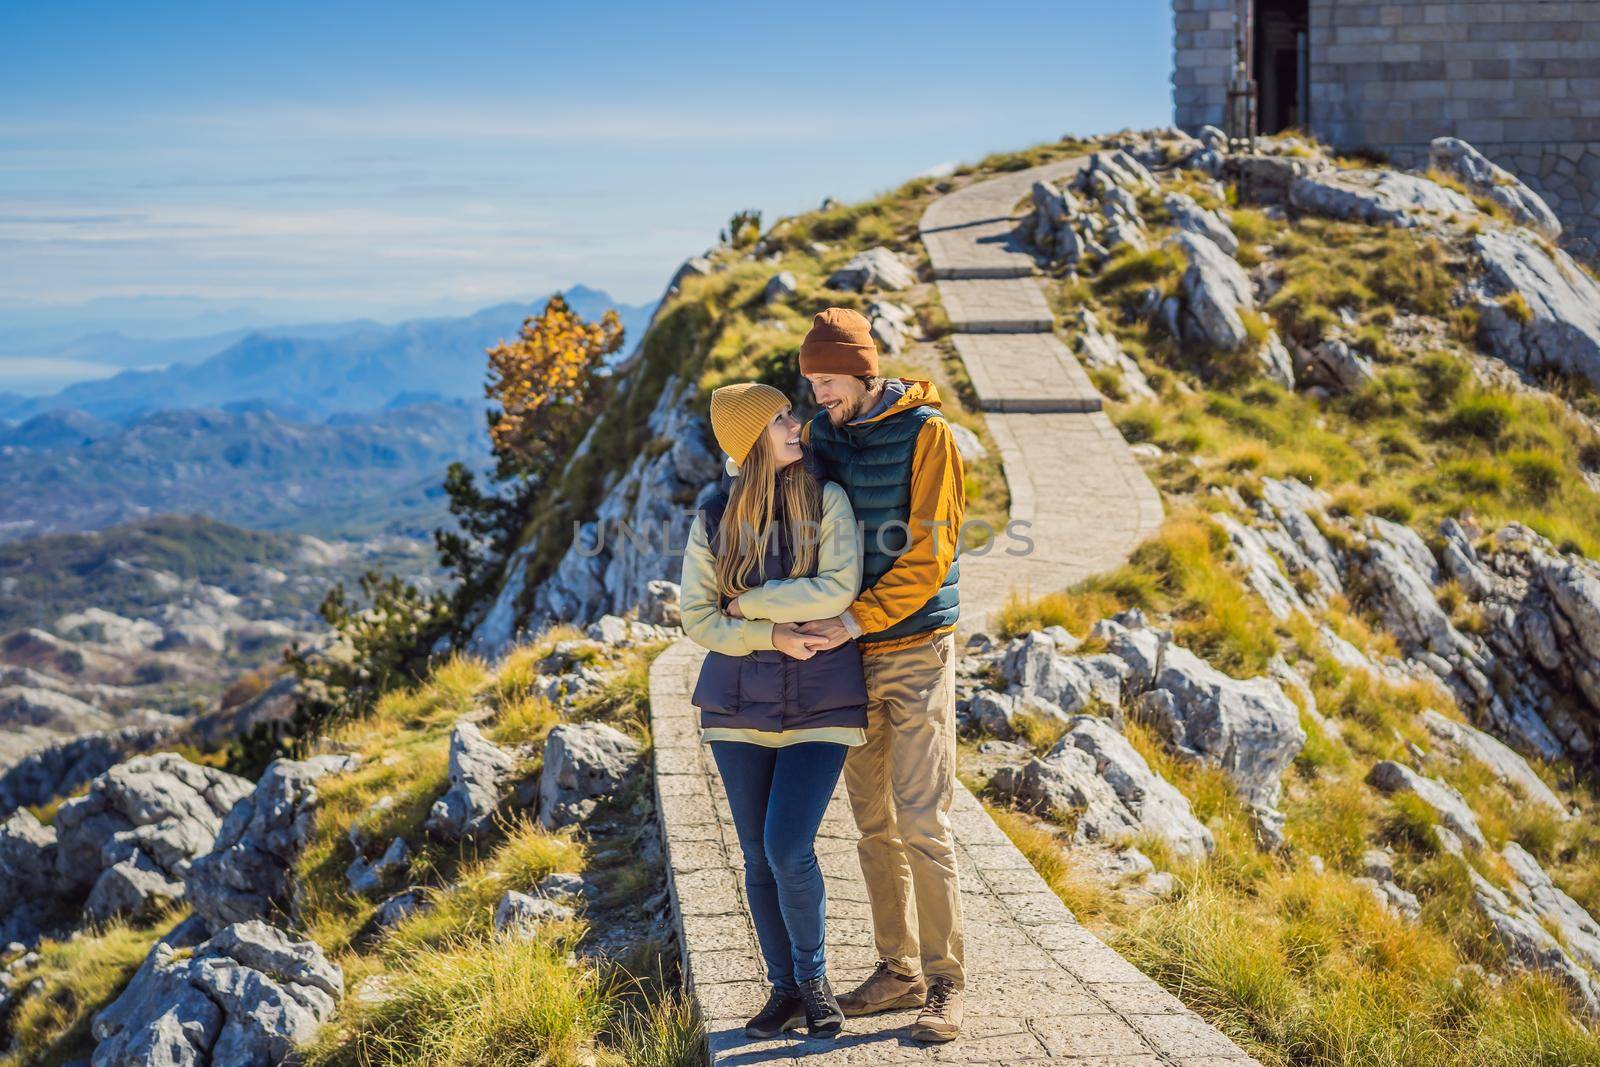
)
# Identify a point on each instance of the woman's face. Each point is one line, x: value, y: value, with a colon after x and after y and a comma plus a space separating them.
x: 783, y: 438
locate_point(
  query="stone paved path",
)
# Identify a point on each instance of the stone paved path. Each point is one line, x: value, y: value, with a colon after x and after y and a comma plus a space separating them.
x: 1041, y: 988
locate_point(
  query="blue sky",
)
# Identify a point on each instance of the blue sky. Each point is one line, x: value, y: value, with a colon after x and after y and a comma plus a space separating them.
x: 323, y: 161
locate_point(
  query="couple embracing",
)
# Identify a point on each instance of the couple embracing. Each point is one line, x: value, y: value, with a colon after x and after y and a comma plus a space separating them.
x: 822, y: 580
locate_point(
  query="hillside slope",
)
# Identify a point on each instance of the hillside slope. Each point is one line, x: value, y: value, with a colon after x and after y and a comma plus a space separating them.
x: 1318, y: 758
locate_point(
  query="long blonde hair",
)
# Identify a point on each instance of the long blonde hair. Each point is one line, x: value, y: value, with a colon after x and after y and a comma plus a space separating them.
x: 747, y: 520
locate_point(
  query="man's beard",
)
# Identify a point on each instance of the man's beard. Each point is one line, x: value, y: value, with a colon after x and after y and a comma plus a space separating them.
x: 850, y: 411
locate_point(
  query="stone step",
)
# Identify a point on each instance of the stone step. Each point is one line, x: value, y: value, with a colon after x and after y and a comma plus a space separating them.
x: 1025, y: 372
x: 998, y: 305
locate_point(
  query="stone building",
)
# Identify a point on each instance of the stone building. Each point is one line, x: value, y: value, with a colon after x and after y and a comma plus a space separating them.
x: 1520, y: 79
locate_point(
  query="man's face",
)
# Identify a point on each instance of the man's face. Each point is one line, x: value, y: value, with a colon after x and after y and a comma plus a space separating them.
x: 840, y: 395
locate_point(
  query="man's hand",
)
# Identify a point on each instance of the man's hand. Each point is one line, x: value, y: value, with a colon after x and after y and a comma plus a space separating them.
x: 829, y: 632
x: 734, y: 610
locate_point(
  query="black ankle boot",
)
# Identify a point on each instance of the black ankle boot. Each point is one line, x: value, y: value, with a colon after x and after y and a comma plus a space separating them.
x: 783, y: 1011
x: 823, y: 1016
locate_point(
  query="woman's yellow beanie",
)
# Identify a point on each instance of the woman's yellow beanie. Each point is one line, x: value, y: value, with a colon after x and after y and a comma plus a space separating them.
x: 741, y: 413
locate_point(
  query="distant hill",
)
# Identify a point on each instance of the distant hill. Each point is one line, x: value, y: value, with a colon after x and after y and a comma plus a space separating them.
x: 355, y: 366
x: 135, y: 569
x: 344, y: 475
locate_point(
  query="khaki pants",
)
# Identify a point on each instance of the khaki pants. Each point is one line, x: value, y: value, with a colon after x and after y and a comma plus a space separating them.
x: 901, y: 785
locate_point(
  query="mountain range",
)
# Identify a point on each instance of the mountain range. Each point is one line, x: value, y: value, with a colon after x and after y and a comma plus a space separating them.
x: 315, y: 368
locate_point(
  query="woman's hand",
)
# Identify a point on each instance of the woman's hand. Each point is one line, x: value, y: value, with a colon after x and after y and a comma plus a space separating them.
x: 786, y: 638
x: 734, y: 609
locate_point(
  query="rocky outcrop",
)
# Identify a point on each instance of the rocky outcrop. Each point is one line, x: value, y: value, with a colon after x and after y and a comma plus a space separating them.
x: 1214, y: 296
x: 131, y: 838
x: 605, y: 570
x: 1450, y: 806
x: 1097, y: 779
x: 1036, y: 673
x: 248, y: 873
x: 1377, y: 197
x: 1537, y: 308
x: 1334, y: 365
x: 1248, y: 728
x: 521, y: 915
x: 1099, y: 350
x: 1535, y: 891
x: 582, y: 763
x: 367, y: 877
x: 1530, y: 947
x: 58, y: 769
x: 1457, y: 158
x: 478, y: 772
x: 248, y: 996
x: 876, y: 268
x: 28, y: 878
x: 1186, y: 214
x: 780, y: 286
x: 893, y: 325
x: 1505, y: 764
x: 1378, y: 879
x: 1215, y: 290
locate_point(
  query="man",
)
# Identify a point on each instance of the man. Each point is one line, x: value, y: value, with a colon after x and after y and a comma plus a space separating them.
x: 886, y: 442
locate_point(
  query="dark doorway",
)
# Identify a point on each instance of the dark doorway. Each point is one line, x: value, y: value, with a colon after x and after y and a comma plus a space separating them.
x: 1281, y: 63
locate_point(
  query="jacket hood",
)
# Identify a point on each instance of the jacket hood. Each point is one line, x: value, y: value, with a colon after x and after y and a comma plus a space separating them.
x: 917, y: 394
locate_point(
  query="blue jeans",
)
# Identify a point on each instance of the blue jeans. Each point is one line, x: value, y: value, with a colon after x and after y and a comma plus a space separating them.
x: 777, y: 796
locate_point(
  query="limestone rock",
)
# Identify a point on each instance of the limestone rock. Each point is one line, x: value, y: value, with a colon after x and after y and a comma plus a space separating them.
x: 58, y: 769
x: 521, y: 915
x: 582, y: 762
x: 1098, y: 350
x: 1535, y: 891
x: 250, y: 995
x: 397, y: 908
x: 1389, y: 777
x: 1033, y: 666
x: 1334, y: 364
x: 1502, y: 761
x: 1376, y: 197
x: 1555, y: 322
x: 780, y: 286
x: 893, y: 325
x: 1095, y: 774
x: 660, y: 604
x: 1531, y: 947
x: 247, y: 874
x: 1392, y: 898
x: 131, y: 837
x: 478, y: 771
x: 1215, y: 290
x: 605, y: 570
x: 875, y: 268
x: 1188, y: 215
x: 28, y: 879
x: 1247, y: 727
x: 1454, y: 156
x: 1261, y: 567
x: 366, y: 877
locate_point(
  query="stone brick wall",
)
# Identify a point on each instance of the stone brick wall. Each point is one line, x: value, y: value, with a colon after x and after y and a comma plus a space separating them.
x: 1520, y: 79
x: 1202, y: 60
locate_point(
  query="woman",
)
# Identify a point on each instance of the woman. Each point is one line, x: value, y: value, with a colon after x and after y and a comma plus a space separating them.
x: 774, y: 548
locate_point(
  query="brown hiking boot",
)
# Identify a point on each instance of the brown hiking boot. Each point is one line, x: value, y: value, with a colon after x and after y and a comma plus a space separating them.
x: 886, y: 990
x: 940, y: 1019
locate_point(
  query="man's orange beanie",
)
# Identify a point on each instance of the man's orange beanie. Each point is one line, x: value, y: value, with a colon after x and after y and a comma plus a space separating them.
x: 840, y: 342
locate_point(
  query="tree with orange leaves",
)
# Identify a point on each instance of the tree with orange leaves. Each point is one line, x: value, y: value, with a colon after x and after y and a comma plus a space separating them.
x: 543, y: 384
